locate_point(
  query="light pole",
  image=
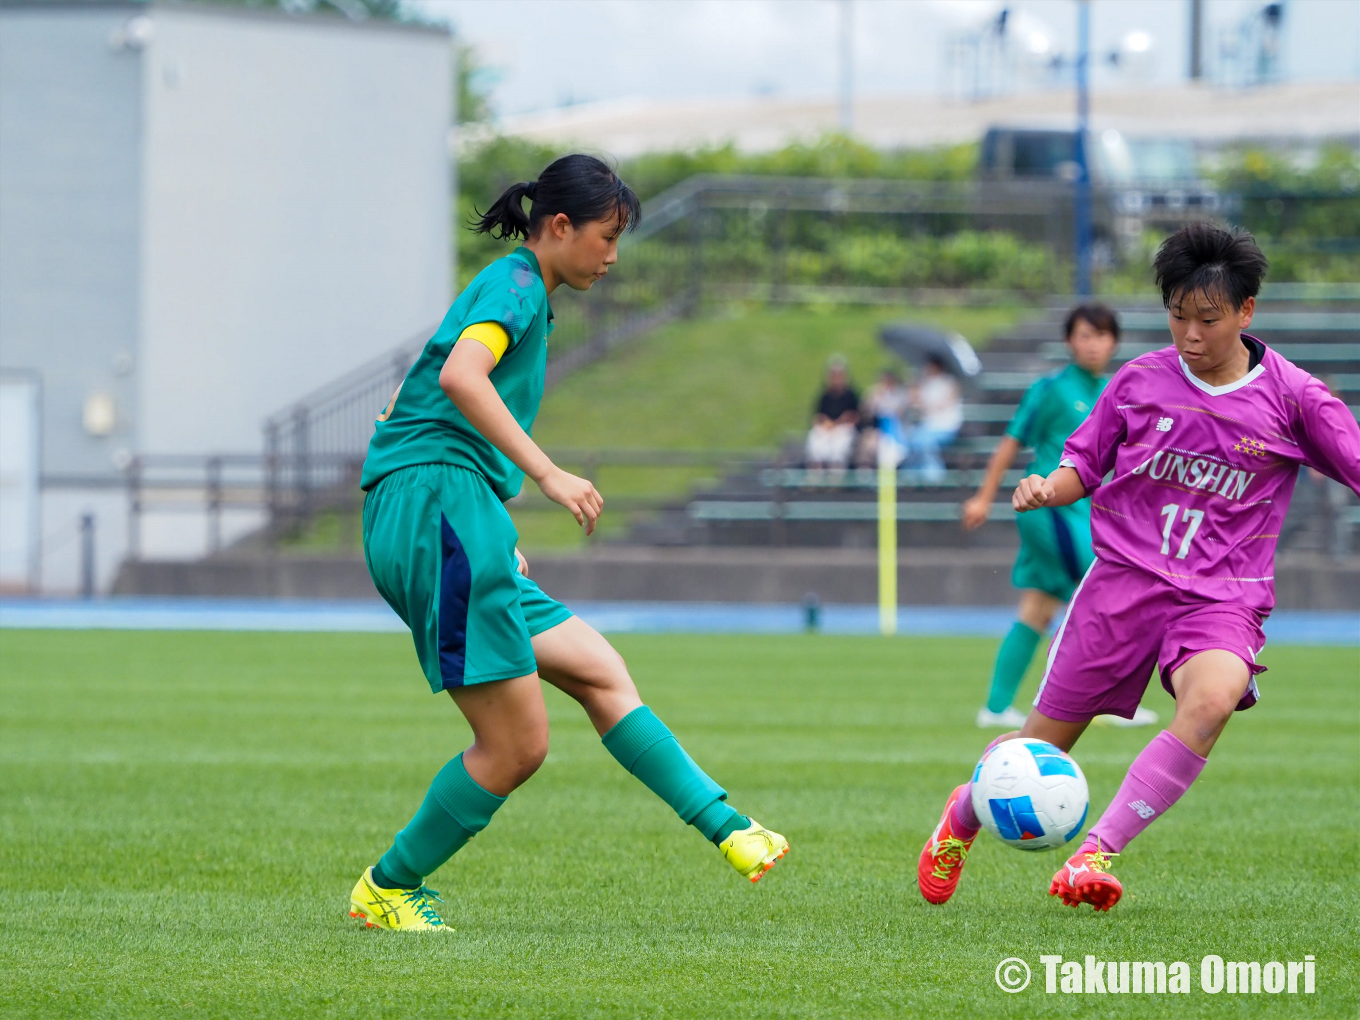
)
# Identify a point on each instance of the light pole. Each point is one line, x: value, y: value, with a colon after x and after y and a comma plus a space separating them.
x: 1196, y: 40
x: 1081, y: 189
x: 847, y: 80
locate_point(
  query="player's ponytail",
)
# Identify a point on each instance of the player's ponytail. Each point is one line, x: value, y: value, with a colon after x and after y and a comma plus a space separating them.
x: 506, y: 216
x: 582, y: 187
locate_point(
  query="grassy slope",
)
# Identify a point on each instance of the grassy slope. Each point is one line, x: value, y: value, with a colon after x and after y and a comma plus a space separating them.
x: 182, y: 815
x: 744, y: 378
x: 736, y: 378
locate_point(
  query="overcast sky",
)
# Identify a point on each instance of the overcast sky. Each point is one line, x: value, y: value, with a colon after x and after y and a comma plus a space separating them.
x: 546, y: 53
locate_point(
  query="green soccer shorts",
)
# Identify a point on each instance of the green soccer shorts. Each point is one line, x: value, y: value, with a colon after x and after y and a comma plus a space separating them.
x: 441, y: 551
x: 1055, y: 550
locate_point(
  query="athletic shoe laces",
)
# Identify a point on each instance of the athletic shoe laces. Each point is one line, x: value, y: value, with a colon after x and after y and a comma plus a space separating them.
x: 420, y: 899
x: 950, y: 853
x: 1099, y: 859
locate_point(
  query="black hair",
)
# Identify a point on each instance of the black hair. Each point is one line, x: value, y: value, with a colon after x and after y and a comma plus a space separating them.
x: 581, y: 186
x: 1101, y: 318
x: 1202, y: 258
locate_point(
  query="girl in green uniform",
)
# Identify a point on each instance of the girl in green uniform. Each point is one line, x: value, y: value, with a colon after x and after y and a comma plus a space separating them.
x: 450, y: 448
x: 1055, y: 544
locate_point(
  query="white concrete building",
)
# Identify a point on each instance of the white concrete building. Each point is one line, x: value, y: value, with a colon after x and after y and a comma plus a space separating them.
x: 205, y: 212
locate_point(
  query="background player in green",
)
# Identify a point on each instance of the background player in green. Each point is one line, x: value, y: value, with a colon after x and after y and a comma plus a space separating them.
x: 451, y: 446
x: 1055, y: 546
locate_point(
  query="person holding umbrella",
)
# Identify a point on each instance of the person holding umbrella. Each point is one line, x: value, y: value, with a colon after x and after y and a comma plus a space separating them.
x: 939, y: 401
x: 943, y: 359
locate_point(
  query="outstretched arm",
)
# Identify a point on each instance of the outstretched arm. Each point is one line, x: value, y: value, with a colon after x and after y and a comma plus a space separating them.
x: 1062, y: 488
x: 977, y: 508
x: 1330, y: 438
x: 466, y: 380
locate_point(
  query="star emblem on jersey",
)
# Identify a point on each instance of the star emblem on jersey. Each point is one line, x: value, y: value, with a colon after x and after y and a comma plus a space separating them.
x: 1164, y: 424
x: 1251, y: 447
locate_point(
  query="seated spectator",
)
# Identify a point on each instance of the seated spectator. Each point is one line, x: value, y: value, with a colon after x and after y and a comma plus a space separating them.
x: 884, y: 413
x: 939, y: 402
x: 835, y: 421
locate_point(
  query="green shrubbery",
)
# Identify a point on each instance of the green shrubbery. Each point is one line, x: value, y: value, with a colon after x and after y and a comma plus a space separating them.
x: 1305, y: 215
x: 831, y: 156
x: 968, y: 258
x: 851, y: 254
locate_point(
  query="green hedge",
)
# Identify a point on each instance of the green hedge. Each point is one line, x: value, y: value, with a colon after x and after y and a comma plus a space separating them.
x: 1306, y: 216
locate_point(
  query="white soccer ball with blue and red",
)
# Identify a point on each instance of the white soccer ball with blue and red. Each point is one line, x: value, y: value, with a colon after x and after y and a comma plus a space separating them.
x: 1030, y: 794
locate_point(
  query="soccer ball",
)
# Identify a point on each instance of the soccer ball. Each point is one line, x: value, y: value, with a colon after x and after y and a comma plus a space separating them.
x: 1029, y: 794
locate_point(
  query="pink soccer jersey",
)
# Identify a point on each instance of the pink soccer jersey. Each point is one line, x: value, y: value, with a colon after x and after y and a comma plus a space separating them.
x: 1203, y: 474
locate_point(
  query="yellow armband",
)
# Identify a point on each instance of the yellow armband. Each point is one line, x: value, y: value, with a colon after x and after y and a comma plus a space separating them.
x: 490, y: 335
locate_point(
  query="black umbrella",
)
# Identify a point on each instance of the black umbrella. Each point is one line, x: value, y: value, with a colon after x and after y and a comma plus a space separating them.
x: 918, y: 344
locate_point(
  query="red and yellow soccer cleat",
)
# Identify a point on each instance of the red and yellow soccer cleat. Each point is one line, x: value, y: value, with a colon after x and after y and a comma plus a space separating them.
x: 1085, y: 878
x: 941, y: 862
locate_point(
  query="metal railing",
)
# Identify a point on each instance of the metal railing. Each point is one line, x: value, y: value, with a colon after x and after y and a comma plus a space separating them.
x: 287, y: 490
x: 288, y: 494
x: 312, y: 439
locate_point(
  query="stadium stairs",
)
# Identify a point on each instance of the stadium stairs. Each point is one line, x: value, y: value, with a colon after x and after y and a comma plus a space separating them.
x: 783, y: 504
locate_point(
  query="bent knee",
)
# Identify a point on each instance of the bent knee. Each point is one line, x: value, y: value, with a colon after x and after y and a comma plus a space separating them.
x: 519, y: 758
x: 606, y: 670
x: 531, y: 752
x: 1210, y: 708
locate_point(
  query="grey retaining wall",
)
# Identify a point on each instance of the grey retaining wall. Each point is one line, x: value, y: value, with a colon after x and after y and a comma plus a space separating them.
x: 623, y: 573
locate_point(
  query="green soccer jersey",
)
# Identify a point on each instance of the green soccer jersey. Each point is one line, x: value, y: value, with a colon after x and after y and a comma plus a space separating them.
x: 1051, y: 410
x: 422, y: 426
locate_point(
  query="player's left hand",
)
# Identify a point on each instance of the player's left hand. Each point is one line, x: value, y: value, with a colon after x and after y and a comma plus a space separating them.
x: 521, y: 564
x: 576, y: 494
x: 1032, y: 493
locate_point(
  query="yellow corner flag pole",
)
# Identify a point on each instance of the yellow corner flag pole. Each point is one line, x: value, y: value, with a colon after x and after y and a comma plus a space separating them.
x: 887, y: 535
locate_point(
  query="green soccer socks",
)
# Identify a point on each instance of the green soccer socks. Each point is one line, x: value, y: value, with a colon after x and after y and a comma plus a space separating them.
x: 454, y: 810
x: 642, y: 744
x: 1012, y: 660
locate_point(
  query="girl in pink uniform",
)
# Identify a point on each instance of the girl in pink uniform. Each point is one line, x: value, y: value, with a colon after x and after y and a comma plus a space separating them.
x: 1205, y: 440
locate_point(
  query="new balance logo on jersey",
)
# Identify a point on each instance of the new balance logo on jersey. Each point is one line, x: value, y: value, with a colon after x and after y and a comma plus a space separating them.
x: 1197, y: 473
x: 1144, y: 809
x: 1164, y: 424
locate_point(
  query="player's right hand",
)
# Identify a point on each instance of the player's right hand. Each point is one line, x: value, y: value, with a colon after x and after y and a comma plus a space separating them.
x: 574, y: 493
x: 1032, y: 493
x: 975, y: 512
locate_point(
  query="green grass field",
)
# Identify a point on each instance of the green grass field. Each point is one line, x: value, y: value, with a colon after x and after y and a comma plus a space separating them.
x: 184, y: 814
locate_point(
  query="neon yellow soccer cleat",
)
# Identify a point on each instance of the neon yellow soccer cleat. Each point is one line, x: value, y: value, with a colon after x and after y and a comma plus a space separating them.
x: 753, y: 850
x: 397, y: 909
